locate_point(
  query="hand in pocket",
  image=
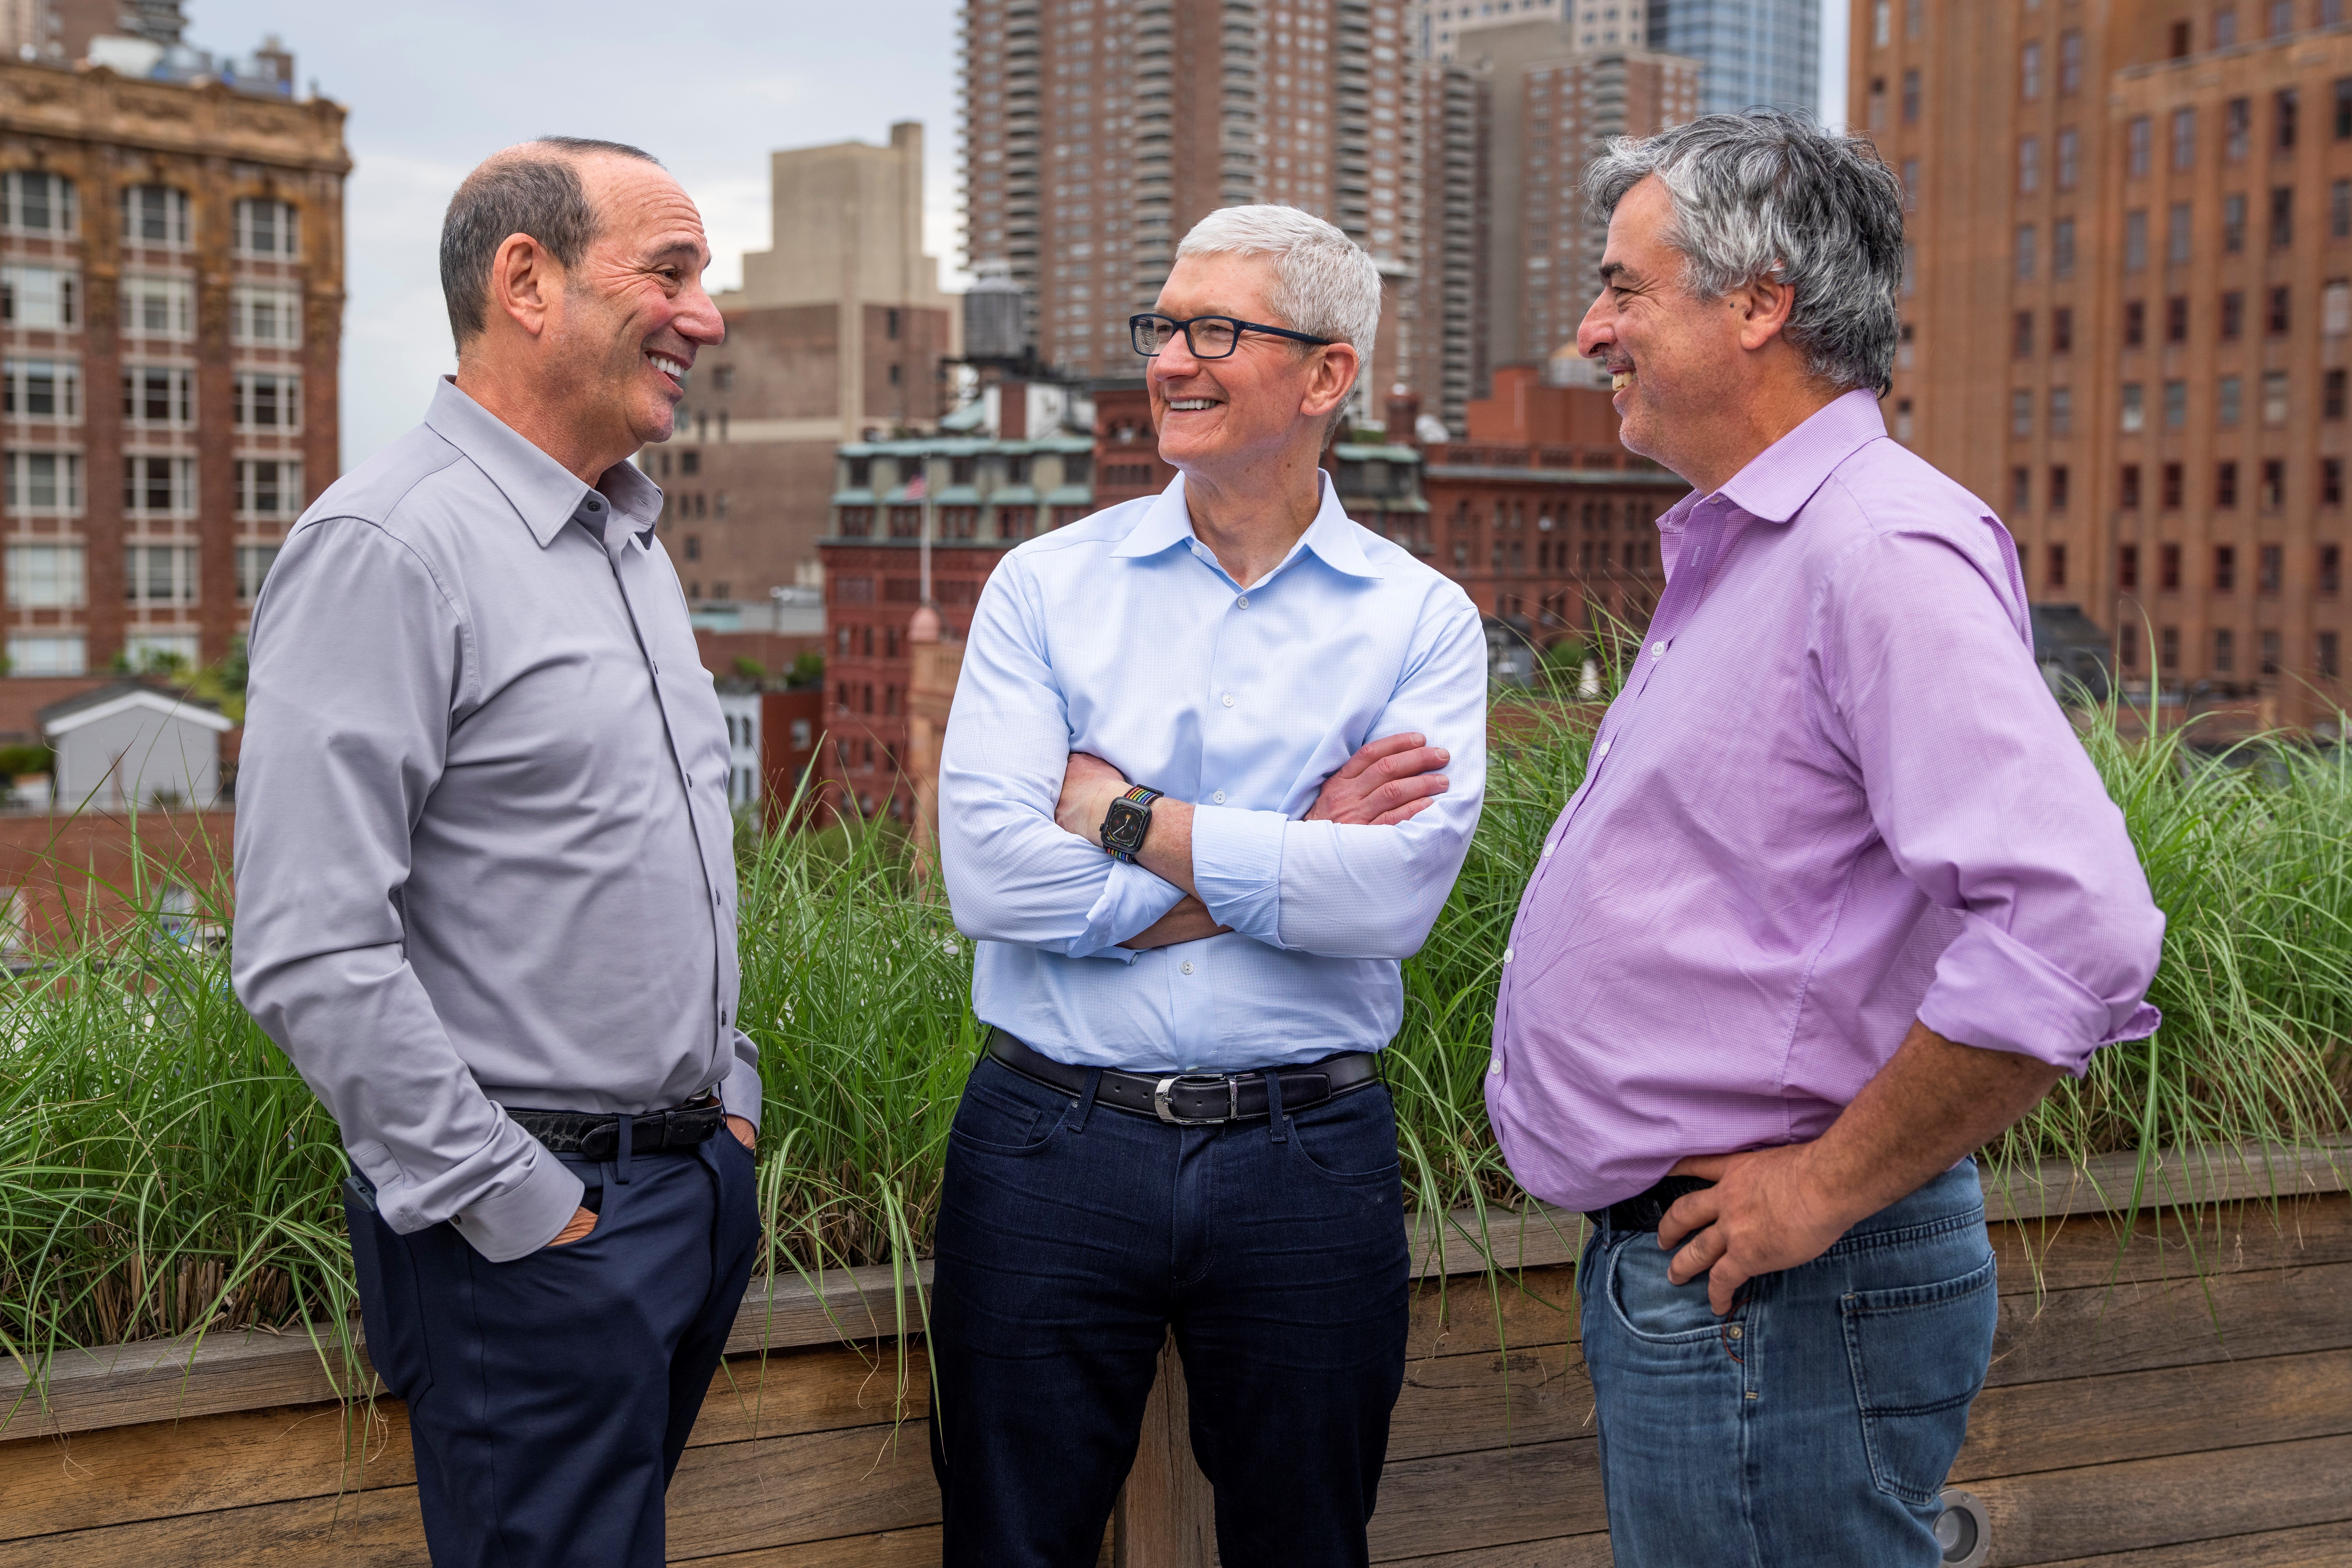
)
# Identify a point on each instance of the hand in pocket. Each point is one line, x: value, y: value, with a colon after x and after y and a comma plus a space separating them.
x: 582, y: 1222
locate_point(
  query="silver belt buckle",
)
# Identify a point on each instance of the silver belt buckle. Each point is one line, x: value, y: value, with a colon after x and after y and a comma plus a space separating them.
x: 1159, y: 1092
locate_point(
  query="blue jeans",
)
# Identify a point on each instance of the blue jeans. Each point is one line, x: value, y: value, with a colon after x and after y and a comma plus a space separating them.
x: 1071, y: 1239
x: 1813, y: 1425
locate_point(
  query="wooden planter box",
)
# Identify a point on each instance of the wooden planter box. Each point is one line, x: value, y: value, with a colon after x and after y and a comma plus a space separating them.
x: 2159, y: 1407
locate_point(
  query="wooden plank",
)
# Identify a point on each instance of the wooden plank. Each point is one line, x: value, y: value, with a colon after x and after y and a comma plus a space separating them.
x: 1455, y: 1404
x: 1536, y: 1308
x: 2093, y: 1331
x: 376, y: 1528
x: 1167, y: 1513
x: 1494, y: 1498
x: 2172, y: 1177
x: 1565, y: 1552
x: 787, y: 1491
x: 2176, y: 1244
x: 2315, y: 1546
x: 889, y: 1549
x: 2145, y: 1414
x: 2106, y: 1508
x: 161, y: 1380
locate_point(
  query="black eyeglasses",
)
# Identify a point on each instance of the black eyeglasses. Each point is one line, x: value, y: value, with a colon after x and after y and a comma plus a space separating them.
x: 1209, y: 337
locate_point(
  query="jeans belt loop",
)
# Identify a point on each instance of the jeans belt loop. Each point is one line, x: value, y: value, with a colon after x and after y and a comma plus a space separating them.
x: 620, y: 1166
x: 1273, y: 1116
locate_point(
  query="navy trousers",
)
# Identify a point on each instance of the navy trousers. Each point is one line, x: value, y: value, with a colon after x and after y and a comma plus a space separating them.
x: 549, y: 1397
x: 1071, y: 1238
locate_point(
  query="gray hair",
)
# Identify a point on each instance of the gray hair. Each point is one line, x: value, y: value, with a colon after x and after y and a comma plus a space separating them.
x: 520, y: 191
x: 1768, y: 194
x: 1324, y: 284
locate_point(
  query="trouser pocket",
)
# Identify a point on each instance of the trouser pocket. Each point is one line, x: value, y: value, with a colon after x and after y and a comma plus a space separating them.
x: 1918, y: 1355
x: 390, y: 1307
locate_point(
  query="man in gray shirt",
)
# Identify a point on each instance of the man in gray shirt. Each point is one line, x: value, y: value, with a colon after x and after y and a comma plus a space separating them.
x: 486, y: 884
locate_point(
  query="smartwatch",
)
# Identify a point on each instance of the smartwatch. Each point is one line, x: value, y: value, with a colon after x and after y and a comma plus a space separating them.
x: 1128, y: 821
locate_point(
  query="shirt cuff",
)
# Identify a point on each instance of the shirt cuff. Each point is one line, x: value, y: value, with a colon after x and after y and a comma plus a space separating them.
x: 1131, y: 900
x: 741, y: 1093
x: 1237, y: 868
x: 526, y: 1216
x: 1996, y: 993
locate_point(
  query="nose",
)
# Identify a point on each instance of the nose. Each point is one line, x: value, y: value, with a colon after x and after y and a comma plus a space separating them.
x: 1173, y: 360
x: 1596, y: 331
x: 697, y: 319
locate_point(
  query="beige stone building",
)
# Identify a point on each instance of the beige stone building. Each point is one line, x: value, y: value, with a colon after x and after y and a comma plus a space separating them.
x: 838, y: 334
x: 170, y: 315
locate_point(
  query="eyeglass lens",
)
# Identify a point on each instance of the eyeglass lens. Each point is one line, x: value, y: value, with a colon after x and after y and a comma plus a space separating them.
x: 1210, y: 337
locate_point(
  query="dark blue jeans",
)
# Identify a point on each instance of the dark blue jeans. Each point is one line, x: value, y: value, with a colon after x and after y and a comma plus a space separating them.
x: 1070, y: 1244
x: 1816, y: 1423
x: 550, y: 1397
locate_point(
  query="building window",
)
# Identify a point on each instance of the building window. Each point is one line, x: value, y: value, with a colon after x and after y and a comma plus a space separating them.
x: 2343, y: 108
x: 2273, y: 483
x: 155, y: 214
x: 1910, y: 185
x: 2135, y: 240
x: 2331, y: 481
x: 2058, y: 487
x: 2273, y: 397
x: 2332, y: 395
x: 2128, y: 489
x: 2176, y: 239
x: 2029, y: 165
x: 2070, y: 62
x: 2127, y: 566
x: 2329, y: 665
x: 2170, y: 639
x: 2331, y: 568
x: 2233, y: 315
x: 2270, y: 569
x: 41, y: 389
x: 159, y: 487
x: 2061, y: 250
x: 2029, y: 71
x: 2179, y: 43
x: 2339, y: 210
x: 32, y: 202
x: 2175, y: 486
x: 2237, y: 129
x: 2225, y: 490
x: 253, y: 564
x: 2135, y: 323
x: 268, y: 228
x: 44, y: 577
x: 266, y: 318
x: 2176, y: 319
x: 2184, y: 138
x: 2225, y: 568
x: 2233, y: 222
x: 270, y: 488
x: 2276, y: 321
x: 2054, y: 574
x: 2225, y: 651
x: 2168, y: 561
x: 2062, y: 320
x: 694, y: 547
x: 2135, y: 410
x: 268, y: 402
x: 1903, y: 425
x: 48, y: 483
x: 2128, y: 646
x: 41, y: 298
x: 2021, y: 414
x: 2025, y: 246
x: 2021, y: 490
x: 2230, y: 401
x: 1911, y: 98
x: 2137, y: 141
x: 2282, y: 216
x: 159, y: 398
x: 159, y: 574
x: 2175, y: 404
x: 2287, y: 107
x: 158, y: 307
x: 2021, y: 335
x: 2061, y: 411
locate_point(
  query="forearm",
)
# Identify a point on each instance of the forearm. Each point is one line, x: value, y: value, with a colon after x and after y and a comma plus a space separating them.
x: 1189, y: 921
x: 1933, y: 1102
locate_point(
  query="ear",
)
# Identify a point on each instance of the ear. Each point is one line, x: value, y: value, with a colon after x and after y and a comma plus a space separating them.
x: 525, y: 283
x: 1763, y: 305
x: 1328, y: 376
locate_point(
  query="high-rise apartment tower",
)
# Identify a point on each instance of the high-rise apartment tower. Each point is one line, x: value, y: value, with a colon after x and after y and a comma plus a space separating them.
x: 1753, y: 53
x: 2128, y: 315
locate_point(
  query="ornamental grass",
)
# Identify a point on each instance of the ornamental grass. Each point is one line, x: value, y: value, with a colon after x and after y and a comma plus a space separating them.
x: 164, y: 1173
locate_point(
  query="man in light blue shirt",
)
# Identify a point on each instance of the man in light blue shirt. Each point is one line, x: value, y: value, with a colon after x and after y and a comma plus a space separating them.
x: 1213, y: 764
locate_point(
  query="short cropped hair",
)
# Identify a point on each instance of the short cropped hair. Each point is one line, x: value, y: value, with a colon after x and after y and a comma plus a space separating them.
x: 1769, y: 194
x: 519, y: 193
x: 1324, y: 284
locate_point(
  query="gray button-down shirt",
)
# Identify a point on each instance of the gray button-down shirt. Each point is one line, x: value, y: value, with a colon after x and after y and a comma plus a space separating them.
x: 484, y: 856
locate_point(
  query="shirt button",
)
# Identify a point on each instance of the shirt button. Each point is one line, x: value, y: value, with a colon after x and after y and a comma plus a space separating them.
x: 1601, y: 749
x: 656, y: 664
x: 1510, y: 954
x: 1219, y: 797
x: 595, y: 505
x: 1547, y: 849
x: 1245, y: 601
x: 1657, y: 650
x: 1228, y: 698
x: 1188, y: 966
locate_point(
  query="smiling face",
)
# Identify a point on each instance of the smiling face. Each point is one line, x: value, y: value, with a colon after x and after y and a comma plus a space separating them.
x: 1673, y: 361
x: 632, y: 314
x: 1271, y: 394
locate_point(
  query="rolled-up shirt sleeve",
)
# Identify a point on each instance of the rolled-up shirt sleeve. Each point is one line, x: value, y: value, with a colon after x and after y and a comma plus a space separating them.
x: 1988, y: 802
x: 1350, y: 892
x: 1012, y: 873
x: 359, y: 663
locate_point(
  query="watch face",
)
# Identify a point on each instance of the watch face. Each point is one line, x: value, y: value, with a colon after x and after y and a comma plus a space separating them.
x: 1124, y: 828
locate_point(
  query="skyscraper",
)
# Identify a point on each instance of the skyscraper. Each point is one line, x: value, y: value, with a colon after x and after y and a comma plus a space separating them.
x: 1751, y: 53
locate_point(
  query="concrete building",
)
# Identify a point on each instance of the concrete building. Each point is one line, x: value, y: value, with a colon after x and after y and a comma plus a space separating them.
x: 172, y: 262
x: 839, y: 330
x: 2128, y: 316
x: 131, y: 744
x: 1097, y: 133
x: 1449, y: 29
x: 1753, y: 53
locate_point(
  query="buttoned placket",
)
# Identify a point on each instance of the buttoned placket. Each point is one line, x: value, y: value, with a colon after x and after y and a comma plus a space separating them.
x: 618, y: 548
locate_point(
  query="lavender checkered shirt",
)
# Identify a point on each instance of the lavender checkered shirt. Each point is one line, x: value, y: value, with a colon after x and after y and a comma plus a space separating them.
x: 1835, y: 795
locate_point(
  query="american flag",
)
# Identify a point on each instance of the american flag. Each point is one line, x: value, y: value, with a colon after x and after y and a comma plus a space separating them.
x: 917, y: 488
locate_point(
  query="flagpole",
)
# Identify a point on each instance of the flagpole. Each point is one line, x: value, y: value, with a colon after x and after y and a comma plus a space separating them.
x: 926, y: 545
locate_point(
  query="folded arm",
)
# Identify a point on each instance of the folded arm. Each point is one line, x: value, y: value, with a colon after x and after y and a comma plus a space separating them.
x: 357, y: 657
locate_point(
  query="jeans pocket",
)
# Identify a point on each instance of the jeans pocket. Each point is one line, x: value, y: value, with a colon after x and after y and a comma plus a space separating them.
x: 1648, y: 1304
x: 997, y: 1118
x: 1351, y: 1140
x: 1918, y: 1355
x: 392, y: 1308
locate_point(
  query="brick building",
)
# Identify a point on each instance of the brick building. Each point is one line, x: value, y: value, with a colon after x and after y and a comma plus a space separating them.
x: 2127, y: 319
x: 171, y: 322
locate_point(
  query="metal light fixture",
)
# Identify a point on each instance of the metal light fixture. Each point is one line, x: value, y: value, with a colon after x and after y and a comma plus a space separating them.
x: 1963, y: 1529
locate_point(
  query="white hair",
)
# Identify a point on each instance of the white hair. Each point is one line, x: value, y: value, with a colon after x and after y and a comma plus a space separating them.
x: 1324, y: 284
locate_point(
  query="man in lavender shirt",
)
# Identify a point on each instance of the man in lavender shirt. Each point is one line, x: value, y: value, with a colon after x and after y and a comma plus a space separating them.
x: 1840, y: 899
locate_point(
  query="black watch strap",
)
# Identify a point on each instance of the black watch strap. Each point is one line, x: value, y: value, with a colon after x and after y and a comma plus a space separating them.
x: 1128, y: 819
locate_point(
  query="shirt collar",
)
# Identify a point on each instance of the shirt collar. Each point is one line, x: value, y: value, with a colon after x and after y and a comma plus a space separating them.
x: 1777, y: 481
x: 1333, y: 536
x: 544, y: 494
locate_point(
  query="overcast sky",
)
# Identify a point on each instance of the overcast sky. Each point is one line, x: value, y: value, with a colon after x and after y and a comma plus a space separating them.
x: 709, y: 87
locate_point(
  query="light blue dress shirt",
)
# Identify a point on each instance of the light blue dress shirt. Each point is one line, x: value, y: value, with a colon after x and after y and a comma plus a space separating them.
x: 1120, y: 636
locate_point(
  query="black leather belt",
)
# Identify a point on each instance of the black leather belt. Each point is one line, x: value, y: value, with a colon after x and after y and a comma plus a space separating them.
x: 1644, y: 1210
x: 1191, y: 1098
x: 596, y: 1135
